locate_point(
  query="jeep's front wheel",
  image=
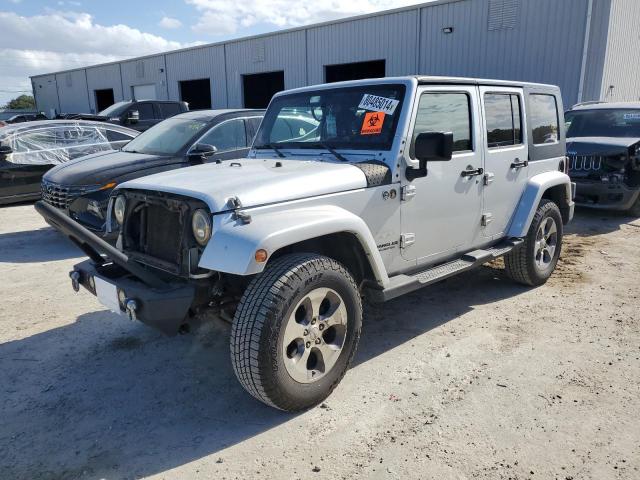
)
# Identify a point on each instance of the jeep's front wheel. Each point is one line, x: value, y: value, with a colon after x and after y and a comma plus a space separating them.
x: 296, y: 330
x: 533, y: 262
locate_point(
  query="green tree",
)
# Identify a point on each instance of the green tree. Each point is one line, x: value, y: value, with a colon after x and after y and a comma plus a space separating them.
x: 23, y: 102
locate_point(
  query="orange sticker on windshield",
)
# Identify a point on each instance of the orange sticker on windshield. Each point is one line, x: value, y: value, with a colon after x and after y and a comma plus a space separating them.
x: 372, y: 124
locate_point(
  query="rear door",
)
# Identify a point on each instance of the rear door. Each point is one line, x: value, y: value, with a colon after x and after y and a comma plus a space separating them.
x: 148, y: 116
x: 506, y: 157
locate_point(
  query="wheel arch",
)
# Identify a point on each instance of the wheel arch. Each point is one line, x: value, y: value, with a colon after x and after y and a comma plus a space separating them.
x: 555, y: 186
x: 329, y: 230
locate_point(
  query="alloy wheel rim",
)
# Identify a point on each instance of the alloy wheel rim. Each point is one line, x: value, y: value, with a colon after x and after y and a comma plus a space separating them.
x: 546, y: 243
x: 314, y: 335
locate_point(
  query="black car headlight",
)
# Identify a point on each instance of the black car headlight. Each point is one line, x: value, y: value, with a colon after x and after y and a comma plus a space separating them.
x: 119, y: 207
x: 201, y: 226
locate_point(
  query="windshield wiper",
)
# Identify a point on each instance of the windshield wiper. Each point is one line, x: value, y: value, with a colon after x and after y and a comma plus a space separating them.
x: 330, y: 149
x: 272, y: 147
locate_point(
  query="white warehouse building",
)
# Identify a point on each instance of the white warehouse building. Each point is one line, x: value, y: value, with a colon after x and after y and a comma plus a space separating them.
x: 590, y: 48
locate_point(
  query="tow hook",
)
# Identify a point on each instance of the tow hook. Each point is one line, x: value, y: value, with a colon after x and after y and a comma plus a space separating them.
x: 131, y: 306
x: 75, y: 280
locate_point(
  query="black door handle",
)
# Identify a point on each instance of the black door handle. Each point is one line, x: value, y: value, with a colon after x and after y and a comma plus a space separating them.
x: 519, y: 163
x: 471, y: 172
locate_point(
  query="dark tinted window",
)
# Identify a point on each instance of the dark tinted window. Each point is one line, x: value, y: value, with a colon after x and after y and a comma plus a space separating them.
x: 145, y: 110
x: 169, y: 109
x: 603, y: 123
x: 502, y: 112
x: 229, y: 135
x: 115, y: 136
x: 445, y: 112
x: 543, y: 112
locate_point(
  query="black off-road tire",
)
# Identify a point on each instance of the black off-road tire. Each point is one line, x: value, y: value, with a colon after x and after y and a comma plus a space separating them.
x: 520, y: 263
x: 258, y: 326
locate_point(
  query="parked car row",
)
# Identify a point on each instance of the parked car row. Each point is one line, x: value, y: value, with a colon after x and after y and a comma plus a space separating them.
x: 284, y: 220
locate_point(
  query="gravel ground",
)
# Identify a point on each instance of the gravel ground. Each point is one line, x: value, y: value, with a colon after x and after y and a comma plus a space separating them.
x: 473, y: 378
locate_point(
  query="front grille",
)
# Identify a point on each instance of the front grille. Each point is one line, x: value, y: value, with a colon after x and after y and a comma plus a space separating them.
x: 585, y: 163
x: 61, y: 196
x: 163, y: 233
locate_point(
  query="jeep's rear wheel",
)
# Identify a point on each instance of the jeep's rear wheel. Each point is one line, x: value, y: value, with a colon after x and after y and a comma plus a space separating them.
x: 296, y: 330
x: 533, y: 262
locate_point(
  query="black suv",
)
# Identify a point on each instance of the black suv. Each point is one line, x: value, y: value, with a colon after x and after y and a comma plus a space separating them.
x: 138, y: 115
x: 603, y: 145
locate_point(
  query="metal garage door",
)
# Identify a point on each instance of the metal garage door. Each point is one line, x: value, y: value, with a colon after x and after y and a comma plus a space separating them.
x: 144, y: 92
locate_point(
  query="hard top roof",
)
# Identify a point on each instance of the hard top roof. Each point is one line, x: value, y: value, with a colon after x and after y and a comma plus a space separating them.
x: 426, y: 80
x: 606, y: 106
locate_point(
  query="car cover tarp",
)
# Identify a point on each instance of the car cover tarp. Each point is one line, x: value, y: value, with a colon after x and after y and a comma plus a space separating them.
x: 53, y: 145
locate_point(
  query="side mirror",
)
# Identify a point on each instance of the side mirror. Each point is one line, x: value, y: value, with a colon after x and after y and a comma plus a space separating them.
x: 201, y: 150
x: 133, y: 116
x: 430, y: 147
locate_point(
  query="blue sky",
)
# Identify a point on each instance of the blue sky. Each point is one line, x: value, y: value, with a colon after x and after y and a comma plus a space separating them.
x: 43, y: 36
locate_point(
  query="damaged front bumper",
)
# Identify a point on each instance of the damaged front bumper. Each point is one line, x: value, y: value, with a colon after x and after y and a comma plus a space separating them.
x: 120, y: 283
x: 610, y: 196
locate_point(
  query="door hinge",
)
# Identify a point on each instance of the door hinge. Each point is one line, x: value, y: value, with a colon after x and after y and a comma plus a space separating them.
x: 407, y: 239
x: 407, y: 192
x: 488, y: 178
x: 487, y: 218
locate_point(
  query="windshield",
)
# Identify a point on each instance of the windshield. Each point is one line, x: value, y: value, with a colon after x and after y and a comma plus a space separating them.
x: 114, y: 110
x: 167, y: 137
x: 603, y: 123
x: 358, y: 118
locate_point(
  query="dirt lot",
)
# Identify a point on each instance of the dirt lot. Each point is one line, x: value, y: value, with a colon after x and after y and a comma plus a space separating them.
x: 474, y: 378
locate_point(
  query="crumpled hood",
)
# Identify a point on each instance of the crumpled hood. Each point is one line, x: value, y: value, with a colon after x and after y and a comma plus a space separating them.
x: 599, y: 145
x: 254, y: 181
x: 105, y: 167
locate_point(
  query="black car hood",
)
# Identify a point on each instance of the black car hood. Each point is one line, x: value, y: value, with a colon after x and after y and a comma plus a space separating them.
x: 599, y: 145
x: 105, y: 167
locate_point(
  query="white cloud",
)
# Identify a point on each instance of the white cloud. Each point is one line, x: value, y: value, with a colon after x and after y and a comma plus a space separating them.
x: 170, y: 23
x: 223, y: 17
x: 60, y: 40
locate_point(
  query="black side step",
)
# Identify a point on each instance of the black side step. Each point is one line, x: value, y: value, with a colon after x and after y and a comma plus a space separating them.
x: 401, y: 284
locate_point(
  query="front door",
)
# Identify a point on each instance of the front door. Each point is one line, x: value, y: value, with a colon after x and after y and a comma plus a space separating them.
x: 506, y: 159
x: 444, y: 215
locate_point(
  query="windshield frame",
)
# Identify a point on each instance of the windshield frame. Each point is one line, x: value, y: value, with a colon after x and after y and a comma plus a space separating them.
x: 595, y: 111
x: 163, y: 124
x: 403, y: 89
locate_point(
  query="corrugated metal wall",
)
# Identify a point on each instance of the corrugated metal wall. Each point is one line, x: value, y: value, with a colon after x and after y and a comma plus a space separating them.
x: 622, y: 61
x: 545, y: 45
x: 102, y: 77
x: 597, y: 50
x: 529, y: 40
x: 391, y: 37
x: 149, y: 70
x: 207, y: 62
x: 285, y: 51
x: 46, y: 94
x: 72, y: 91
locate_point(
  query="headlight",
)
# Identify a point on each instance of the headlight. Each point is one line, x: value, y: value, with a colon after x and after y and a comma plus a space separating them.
x: 118, y: 208
x: 201, y: 226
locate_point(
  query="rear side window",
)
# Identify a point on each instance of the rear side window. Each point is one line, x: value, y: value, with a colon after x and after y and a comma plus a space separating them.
x: 169, y: 109
x: 504, y: 126
x: 445, y: 112
x: 543, y: 112
x: 115, y: 136
x: 145, y: 110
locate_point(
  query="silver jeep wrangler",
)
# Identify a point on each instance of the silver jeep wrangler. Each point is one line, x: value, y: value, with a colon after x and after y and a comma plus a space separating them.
x: 366, y: 189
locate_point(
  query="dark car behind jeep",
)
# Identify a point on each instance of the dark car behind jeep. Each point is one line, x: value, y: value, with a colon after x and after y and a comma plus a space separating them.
x: 603, y: 146
x: 136, y: 114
